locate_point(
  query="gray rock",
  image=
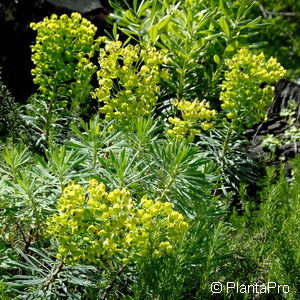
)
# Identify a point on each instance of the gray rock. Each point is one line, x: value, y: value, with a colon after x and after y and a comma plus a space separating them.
x: 81, y: 6
x: 276, y: 126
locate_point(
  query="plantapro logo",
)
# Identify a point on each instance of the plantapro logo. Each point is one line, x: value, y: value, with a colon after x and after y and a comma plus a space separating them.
x: 236, y: 287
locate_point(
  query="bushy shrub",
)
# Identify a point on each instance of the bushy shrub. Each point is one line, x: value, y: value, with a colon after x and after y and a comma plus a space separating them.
x: 135, y: 202
x: 62, y: 56
x: 102, y: 225
x: 246, y: 90
x: 129, y: 80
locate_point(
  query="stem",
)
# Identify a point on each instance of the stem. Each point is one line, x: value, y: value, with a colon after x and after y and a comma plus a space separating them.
x: 227, y: 139
x: 111, y: 285
x: 27, y: 242
x: 95, y: 151
x: 166, y: 188
x: 224, y: 150
x: 48, y: 120
x: 54, y: 275
x: 35, y: 211
x: 181, y: 82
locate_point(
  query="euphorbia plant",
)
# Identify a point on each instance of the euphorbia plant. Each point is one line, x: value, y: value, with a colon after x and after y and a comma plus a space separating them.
x: 62, y: 57
x: 246, y: 89
x: 129, y: 81
x: 95, y: 226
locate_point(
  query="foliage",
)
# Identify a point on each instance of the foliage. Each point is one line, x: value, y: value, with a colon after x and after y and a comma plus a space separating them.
x: 128, y: 81
x: 198, y: 36
x: 291, y: 134
x: 12, y: 124
x: 9, y: 119
x: 246, y: 90
x: 141, y: 199
x: 281, y: 34
x: 270, y: 240
x: 27, y: 192
x: 235, y: 166
x: 47, y: 123
x: 270, y: 142
x: 62, y: 56
x: 46, y: 278
x: 195, y: 115
x: 96, y: 227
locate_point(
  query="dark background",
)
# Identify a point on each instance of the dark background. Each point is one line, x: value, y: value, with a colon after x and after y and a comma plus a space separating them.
x: 17, y: 36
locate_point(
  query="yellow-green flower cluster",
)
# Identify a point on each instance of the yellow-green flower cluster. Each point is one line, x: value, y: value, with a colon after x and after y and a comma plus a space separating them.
x: 62, y: 53
x: 154, y: 229
x: 97, y: 225
x: 128, y: 81
x: 196, y: 115
x: 246, y: 90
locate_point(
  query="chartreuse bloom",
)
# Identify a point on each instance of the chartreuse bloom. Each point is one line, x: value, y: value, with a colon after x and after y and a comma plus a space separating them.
x: 196, y: 116
x: 246, y: 90
x: 62, y: 57
x: 129, y: 80
x: 96, y: 225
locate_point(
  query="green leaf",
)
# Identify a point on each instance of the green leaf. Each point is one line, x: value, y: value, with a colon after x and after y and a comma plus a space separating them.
x: 163, y: 22
x: 153, y: 32
x: 231, y: 47
x: 143, y: 7
x: 204, y: 19
x: 135, y: 5
x: 166, y: 4
x: 213, y: 36
x: 225, y: 27
x: 154, y: 10
x: 217, y: 59
x: 130, y: 35
x: 224, y: 9
x: 115, y: 30
x: 114, y: 5
x: 241, y: 10
x: 172, y: 30
x: 252, y: 23
x: 129, y: 16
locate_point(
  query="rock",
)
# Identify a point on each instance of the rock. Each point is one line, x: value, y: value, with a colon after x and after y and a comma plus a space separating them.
x: 289, y: 150
x: 276, y: 126
x: 249, y: 132
x: 15, y: 51
x: 81, y: 6
x: 285, y: 90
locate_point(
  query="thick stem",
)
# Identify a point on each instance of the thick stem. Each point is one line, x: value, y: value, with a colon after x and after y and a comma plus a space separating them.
x: 111, y: 285
x: 27, y: 242
x: 166, y: 188
x: 224, y: 150
x: 54, y: 275
x: 48, y: 120
x: 227, y: 139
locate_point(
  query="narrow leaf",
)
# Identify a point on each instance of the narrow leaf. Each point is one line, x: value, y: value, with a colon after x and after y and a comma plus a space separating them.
x: 143, y: 7
x: 153, y: 32
x: 241, y: 9
x: 217, y: 59
x: 163, y: 22
x: 225, y: 27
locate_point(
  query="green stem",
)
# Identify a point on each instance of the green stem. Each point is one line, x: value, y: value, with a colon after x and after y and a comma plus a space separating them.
x: 166, y: 188
x: 35, y: 210
x: 224, y: 150
x: 48, y: 121
x: 227, y: 139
